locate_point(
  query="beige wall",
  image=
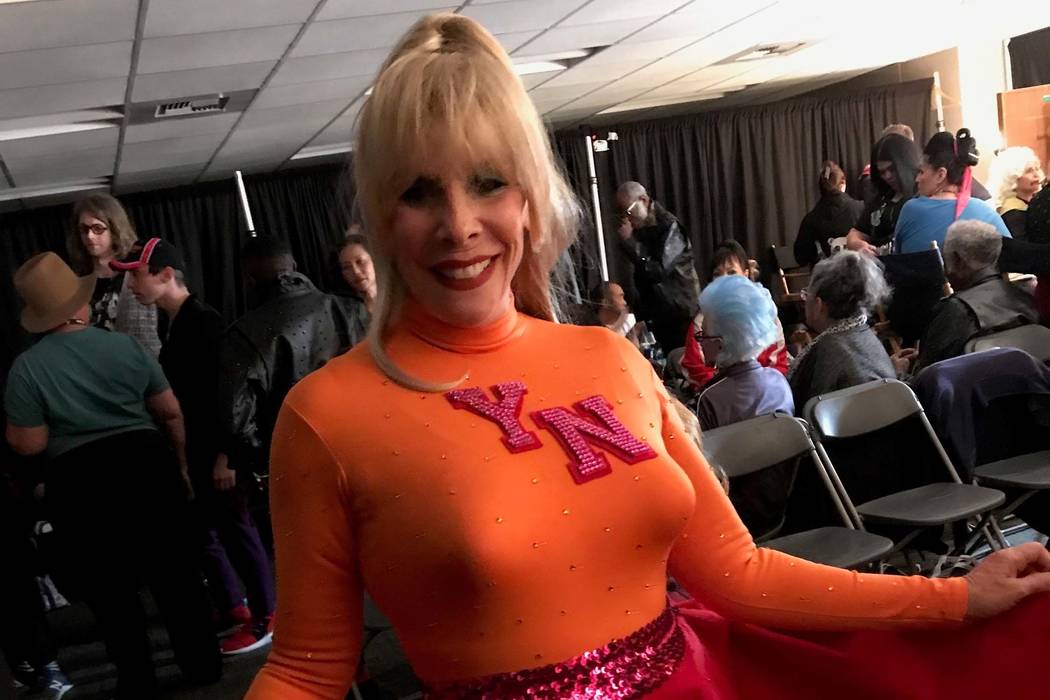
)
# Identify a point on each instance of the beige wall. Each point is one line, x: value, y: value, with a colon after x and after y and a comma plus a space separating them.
x: 971, y: 77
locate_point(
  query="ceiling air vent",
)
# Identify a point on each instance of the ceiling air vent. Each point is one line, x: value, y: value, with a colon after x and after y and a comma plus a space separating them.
x: 185, y: 108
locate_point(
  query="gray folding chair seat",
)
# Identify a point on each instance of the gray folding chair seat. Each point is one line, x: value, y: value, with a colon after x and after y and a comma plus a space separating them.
x: 931, y: 505
x: 1025, y: 475
x: 870, y: 407
x: 767, y: 441
x: 842, y: 547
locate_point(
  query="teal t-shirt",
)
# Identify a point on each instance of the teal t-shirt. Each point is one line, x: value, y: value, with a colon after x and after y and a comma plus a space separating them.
x: 83, y: 386
x: 923, y: 220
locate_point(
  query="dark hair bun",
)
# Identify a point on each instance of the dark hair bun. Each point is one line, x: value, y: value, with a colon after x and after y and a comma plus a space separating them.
x: 966, y: 148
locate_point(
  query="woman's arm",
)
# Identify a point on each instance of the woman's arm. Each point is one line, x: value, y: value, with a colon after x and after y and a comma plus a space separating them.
x: 317, y: 638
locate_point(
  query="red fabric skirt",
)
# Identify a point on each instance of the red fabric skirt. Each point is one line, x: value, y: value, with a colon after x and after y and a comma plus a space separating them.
x: 998, y: 658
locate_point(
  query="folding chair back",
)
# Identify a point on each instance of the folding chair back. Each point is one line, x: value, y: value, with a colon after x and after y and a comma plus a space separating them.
x: 791, y: 278
x: 1033, y: 339
x: 734, y: 447
x: 881, y: 403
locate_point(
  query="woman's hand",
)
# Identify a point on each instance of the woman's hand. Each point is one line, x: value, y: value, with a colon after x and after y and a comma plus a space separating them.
x: 1006, y: 577
x: 223, y: 477
x: 902, y: 360
x: 855, y: 240
x: 625, y: 229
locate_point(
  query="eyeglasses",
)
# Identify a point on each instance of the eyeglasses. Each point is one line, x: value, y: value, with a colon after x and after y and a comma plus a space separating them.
x: 701, y: 338
x: 804, y: 293
x: 97, y: 229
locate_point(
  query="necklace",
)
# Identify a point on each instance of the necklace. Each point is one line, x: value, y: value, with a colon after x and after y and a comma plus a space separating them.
x: 842, y: 326
x: 74, y: 322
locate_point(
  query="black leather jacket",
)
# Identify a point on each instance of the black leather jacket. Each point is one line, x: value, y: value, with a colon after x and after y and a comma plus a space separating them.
x: 665, y: 277
x: 296, y: 330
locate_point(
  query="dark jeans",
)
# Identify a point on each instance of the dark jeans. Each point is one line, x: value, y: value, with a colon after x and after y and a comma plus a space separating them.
x: 121, y: 515
x: 24, y: 634
x: 233, y: 538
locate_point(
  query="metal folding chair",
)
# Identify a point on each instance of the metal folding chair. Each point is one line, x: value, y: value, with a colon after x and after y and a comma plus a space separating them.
x: 1033, y: 339
x: 783, y: 438
x: 869, y: 407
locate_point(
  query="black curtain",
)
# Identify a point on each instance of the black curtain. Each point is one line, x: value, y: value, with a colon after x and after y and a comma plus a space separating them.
x: 747, y: 174
x: 205, y: 222
x: 1030, y: 59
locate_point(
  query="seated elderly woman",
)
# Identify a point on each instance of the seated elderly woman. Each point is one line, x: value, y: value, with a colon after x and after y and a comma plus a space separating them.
x: 983, y: 301
x: 740, y: 321
x: 842, y: 292
x: 1016, y: 176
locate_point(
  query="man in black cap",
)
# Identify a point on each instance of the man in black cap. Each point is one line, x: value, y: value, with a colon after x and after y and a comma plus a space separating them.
x: 191, y: 346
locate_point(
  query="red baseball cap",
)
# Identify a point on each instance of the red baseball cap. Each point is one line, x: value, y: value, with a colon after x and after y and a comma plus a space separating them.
x: 155, y: 251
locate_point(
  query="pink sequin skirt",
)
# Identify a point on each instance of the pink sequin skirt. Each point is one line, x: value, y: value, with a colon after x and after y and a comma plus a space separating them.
x: 692, y: 653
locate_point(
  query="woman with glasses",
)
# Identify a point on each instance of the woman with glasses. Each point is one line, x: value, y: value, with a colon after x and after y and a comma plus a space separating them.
x: 843, y: 291
x: 740, y: 322
x: 101, y: 233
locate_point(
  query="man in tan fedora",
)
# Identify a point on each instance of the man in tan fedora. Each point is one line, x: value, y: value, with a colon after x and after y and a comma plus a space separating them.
x: 91, y: 400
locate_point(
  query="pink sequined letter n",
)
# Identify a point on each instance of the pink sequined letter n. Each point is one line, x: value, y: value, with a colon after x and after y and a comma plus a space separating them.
x: 576, y: 432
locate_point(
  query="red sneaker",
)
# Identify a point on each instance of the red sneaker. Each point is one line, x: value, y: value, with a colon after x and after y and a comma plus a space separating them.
x: 251, y: 636
x: 235, y: 618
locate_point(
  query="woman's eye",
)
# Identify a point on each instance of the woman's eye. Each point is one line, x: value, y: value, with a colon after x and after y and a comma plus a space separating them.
x: 488, y: 184
x: 419, y: 191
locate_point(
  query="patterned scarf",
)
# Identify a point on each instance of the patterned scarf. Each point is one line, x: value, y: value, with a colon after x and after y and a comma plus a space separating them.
x: 843, y: 326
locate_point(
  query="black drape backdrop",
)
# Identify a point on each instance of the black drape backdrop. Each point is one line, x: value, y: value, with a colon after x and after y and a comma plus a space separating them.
x: 205, y: 222
x: 1030, y: 59
x: 747, y: 174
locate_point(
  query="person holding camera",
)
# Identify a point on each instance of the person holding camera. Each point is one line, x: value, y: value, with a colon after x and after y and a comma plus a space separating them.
x: 944, y: 183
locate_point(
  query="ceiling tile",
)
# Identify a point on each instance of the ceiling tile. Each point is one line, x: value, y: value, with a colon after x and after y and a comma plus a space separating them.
x: 224, y: 169
x: 151, y: 155
x: 40, y: 25
x: 512, y: 40
x: 292, y: 115
x: 647, y: 50
x: 616, y: 10
x: 157, y: 179
x: 171, y: 17
x: 339, y: 131
x: 583, y: 37
x: 315, y: 91
x: 342, y: 9
x: 587, y: 72
x: 521, y: 15
x: 330, y: 66
x: 533, y: 80
x: 25, y: 150
x: 190, y: 51
x: 341, y: 35
x: 201, y: 81
x: 179, y: 128
x: 51, y: 99
x: 64, y: 65
x: 63, y: 167
x: 698, y: 20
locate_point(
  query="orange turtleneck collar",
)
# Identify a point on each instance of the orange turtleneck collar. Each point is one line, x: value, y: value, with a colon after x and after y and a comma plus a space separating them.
x: 479, y: 339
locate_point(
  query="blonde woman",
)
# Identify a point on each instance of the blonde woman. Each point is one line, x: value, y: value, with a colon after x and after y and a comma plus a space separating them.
x: 513, y: 492
x: 101, y: 234
x: 1016, y: 176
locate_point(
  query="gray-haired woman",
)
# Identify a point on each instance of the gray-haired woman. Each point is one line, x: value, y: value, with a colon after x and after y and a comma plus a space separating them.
x: 842, y: 293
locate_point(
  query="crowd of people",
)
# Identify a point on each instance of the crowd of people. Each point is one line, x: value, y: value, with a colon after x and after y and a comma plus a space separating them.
x: 513, y: 492
x: 133, y: 369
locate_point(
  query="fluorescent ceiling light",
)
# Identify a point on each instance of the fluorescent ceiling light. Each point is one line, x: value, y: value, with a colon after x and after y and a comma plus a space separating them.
x: 52, y: 189
x: 538, y: 67
x: 320, y: 151
x: 548, y: 63
x: 53, y: 130
x: 61, y: 123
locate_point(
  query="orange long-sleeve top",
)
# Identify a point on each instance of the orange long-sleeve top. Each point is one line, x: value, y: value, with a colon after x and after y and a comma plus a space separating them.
x: 492, y: 549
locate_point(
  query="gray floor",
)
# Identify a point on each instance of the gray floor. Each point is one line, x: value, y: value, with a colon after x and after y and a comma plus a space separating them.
x: 83, y: 657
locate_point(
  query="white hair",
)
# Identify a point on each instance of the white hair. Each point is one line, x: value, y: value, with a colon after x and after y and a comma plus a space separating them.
x: 1010, y: 164
x: 976, y: 244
